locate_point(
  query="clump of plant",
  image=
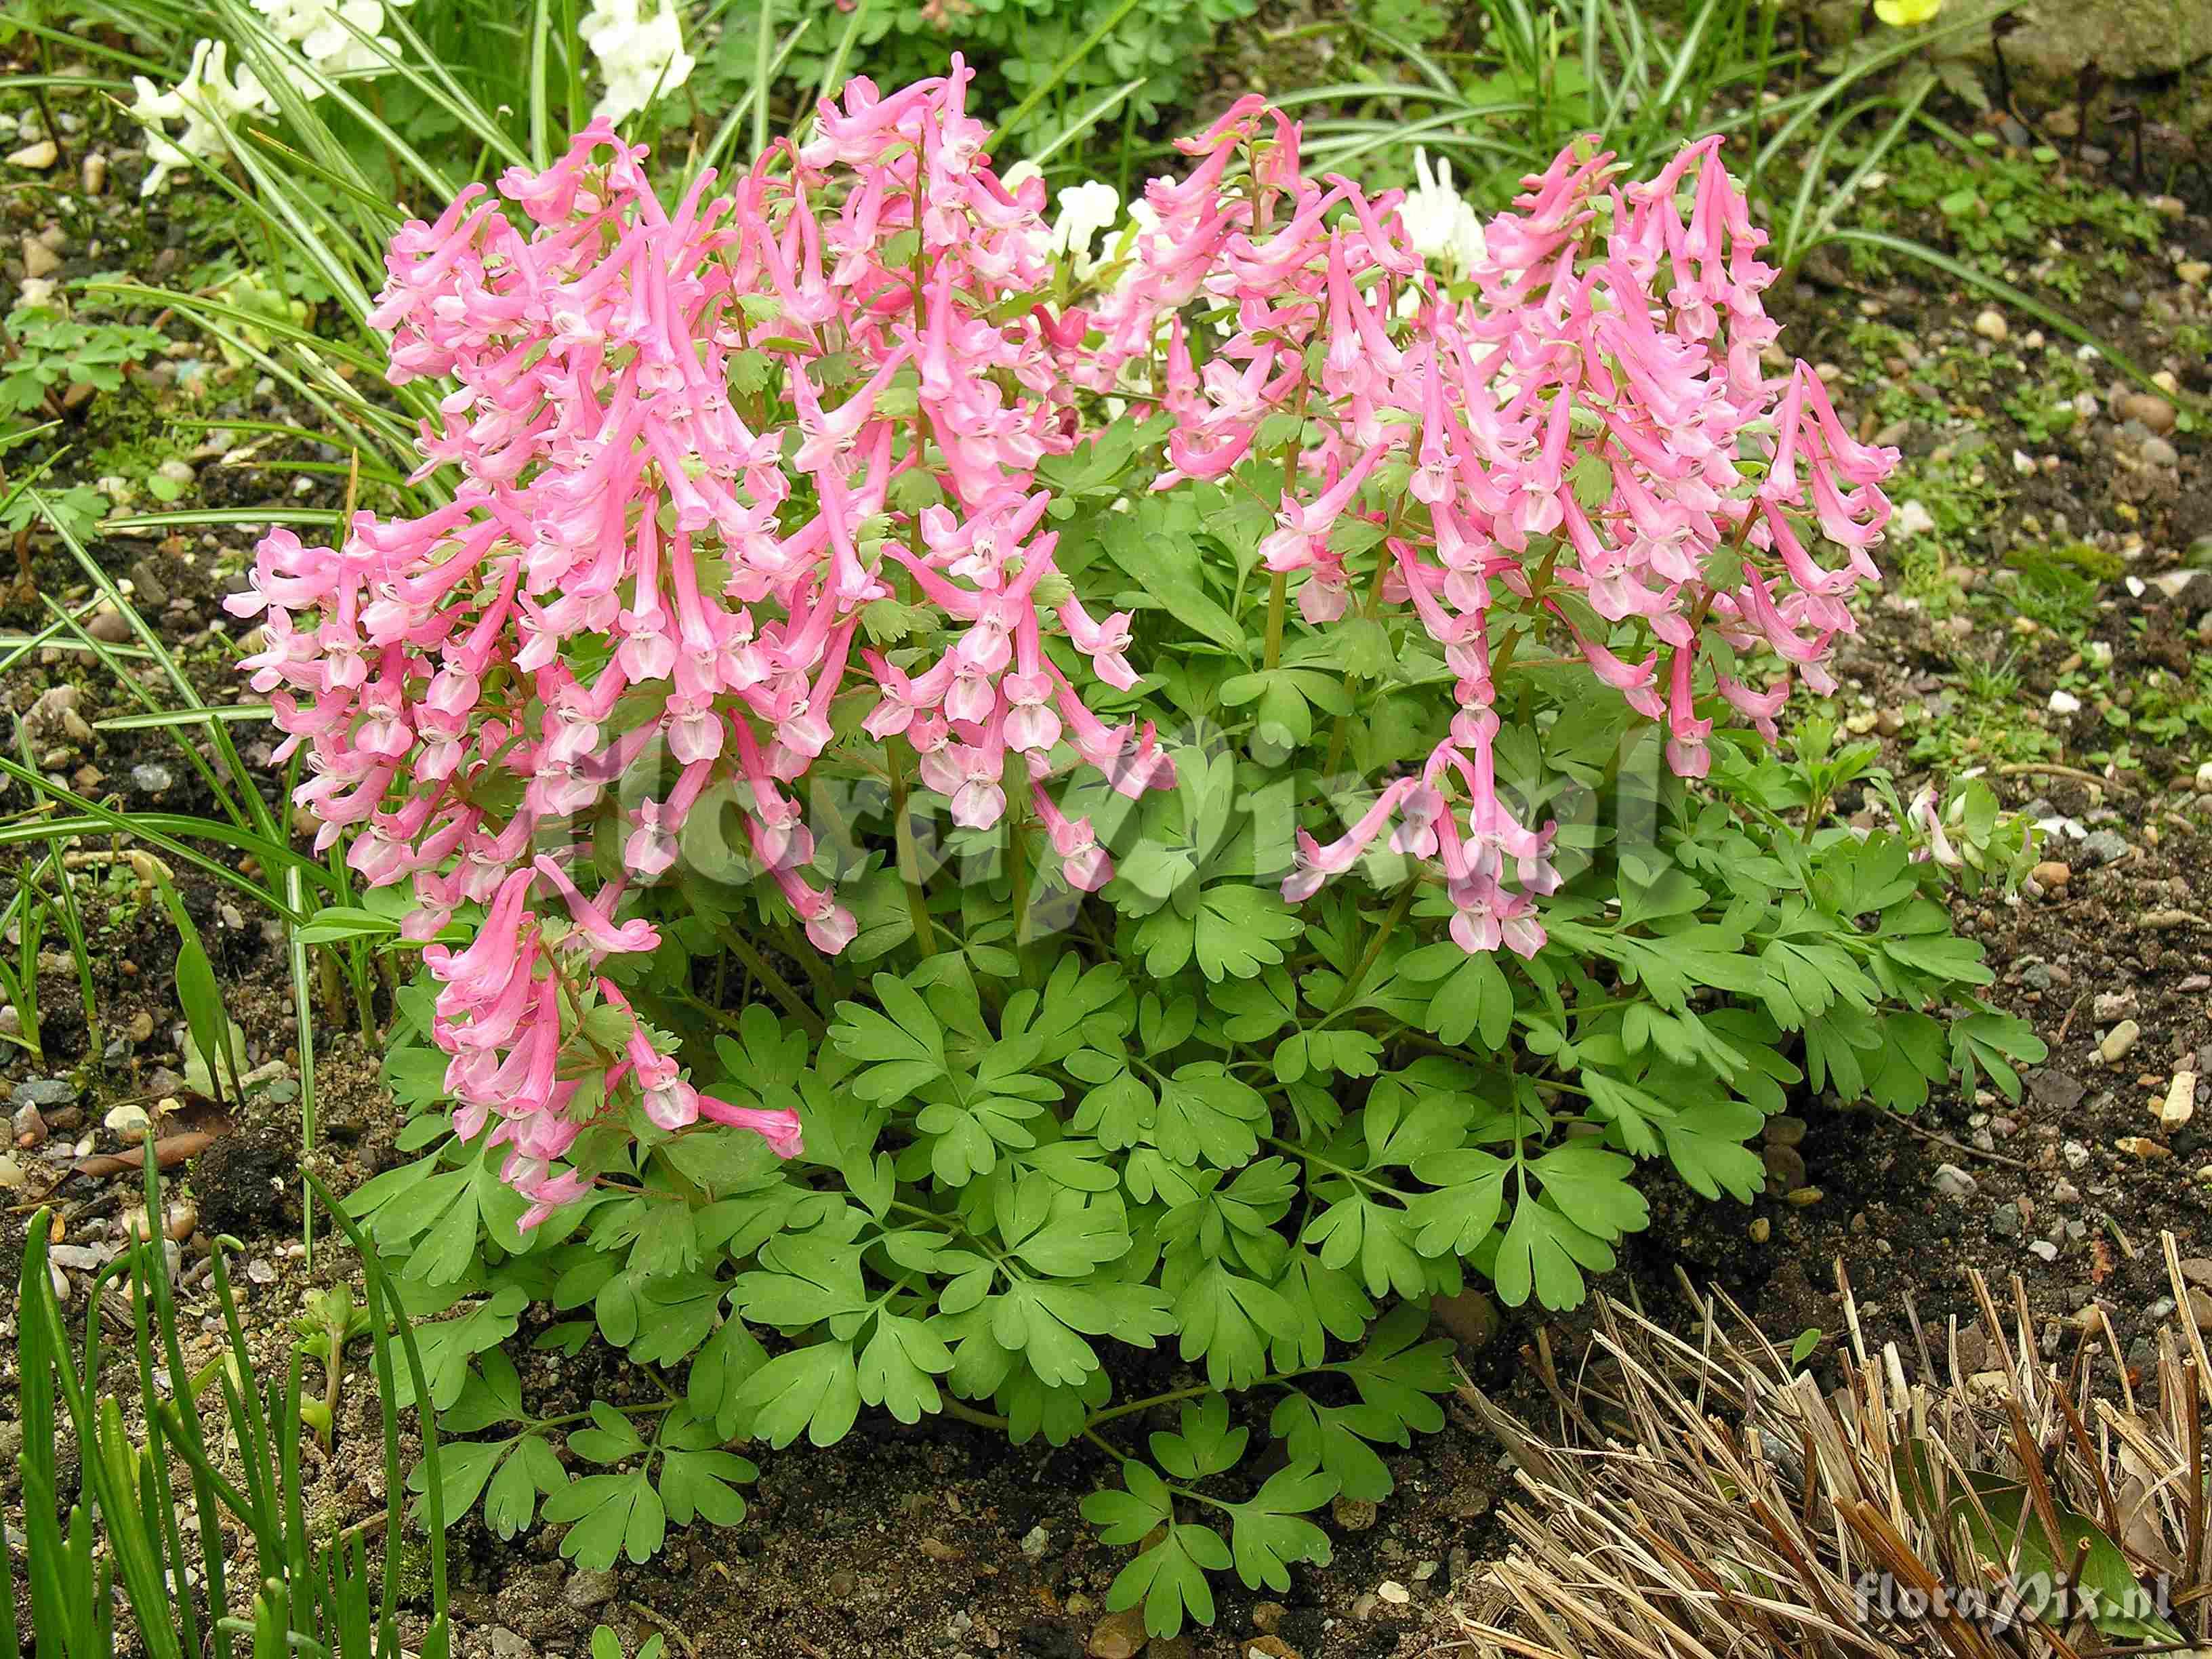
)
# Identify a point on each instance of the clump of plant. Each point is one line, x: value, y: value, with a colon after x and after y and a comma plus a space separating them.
x: 1709, y: 1488
x: 977, y: 801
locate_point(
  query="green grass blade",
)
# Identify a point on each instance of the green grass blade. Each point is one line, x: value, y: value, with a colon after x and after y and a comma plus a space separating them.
x: 761, y: 37
x: 726, y: 135
x: 257, y: 809
x: 1060, y: 71
x: 540, y: 110
x: 2049, y: 316
x: 1087, y: 119
x: 132, y: 524
x: 100, y: 820
x: 165, y: 719
x: 303, y: 1027
x: 833, y: 72
x: 382, y: 1294
x: 108, y: 660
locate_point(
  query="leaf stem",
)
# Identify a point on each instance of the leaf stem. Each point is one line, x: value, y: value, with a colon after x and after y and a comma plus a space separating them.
x: 960, y: 1411
x: 1144, y: 1405
x: 780, y: 987
x: 1017, y: 862
x: 909, y: 857
x: 1279, y: 592
x: 1354, y: 985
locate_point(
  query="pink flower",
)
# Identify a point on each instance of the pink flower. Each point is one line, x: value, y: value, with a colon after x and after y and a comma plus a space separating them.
x: 779, y: 1128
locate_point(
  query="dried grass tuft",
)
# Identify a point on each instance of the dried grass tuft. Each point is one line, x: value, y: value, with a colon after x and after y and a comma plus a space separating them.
x: 1709, y: 1501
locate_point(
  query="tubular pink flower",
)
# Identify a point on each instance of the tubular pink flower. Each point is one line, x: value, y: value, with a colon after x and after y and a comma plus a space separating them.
x: 780, y: 1130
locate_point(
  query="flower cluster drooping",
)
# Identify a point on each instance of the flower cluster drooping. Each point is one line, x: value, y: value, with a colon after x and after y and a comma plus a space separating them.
x: 1586, y: 433
x: 725, y: 464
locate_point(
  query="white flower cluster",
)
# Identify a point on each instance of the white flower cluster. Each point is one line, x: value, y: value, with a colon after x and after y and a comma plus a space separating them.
x: 1085, y: 211
x: 1444, y: 227
x: 641, y: 57
x: 325, y: 33
x: 206, y: 100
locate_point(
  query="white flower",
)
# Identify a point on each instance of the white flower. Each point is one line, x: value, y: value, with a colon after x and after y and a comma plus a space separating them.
x: 2065, y: 702
x: 642, y: 58
x: 1924, y: 818
x: 1442, y: 227
x: 319, y: 29
x: 206, y: 100
x: 1084, y: 212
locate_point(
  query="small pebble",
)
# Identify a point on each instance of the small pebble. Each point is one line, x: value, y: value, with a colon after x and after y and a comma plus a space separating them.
x: 1991, y: 325
x: 2153, y: 411
x: 1353, y: 1514
x: 37, y: 157
x: 2102, y: 846
x: 2180, y: 1103
x: 2117, y: 1041
x: 1952, y: 1181
x: 1118, y: 1635
x: 586, y: 1590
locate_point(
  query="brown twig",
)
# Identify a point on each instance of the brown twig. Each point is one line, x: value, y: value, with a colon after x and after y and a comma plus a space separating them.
x: 2053, y: 768
x: 666, y: 1625
x: 1959, y: 1145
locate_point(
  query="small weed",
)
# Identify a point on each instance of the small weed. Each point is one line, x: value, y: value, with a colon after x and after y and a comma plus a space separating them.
x: 2167, y: 708
x: 2058, y: 587
x: 1985, y: 722
x: 54, y: 352
x: 2001, y: 208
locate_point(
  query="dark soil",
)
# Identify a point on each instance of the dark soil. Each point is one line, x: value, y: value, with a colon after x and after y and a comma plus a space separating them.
x: 944, y: 1540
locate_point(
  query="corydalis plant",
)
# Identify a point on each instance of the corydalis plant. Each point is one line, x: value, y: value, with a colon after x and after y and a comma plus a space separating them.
x: 751, y: 487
